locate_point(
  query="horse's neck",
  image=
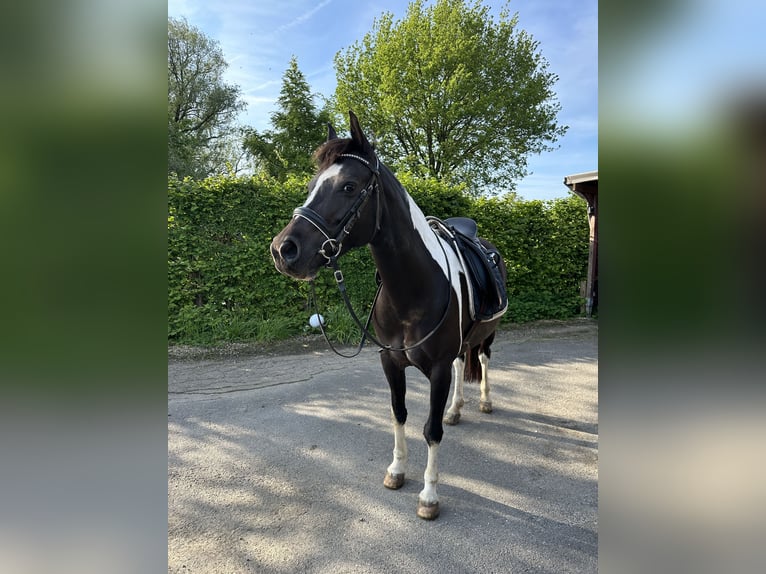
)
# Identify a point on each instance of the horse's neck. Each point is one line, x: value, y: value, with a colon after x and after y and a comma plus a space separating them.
x: 408, y: 251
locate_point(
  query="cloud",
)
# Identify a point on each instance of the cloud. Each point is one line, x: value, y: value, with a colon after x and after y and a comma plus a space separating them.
x: 302, y: 18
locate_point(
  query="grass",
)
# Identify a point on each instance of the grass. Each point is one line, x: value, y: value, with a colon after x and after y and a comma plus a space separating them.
x: 204, y: 327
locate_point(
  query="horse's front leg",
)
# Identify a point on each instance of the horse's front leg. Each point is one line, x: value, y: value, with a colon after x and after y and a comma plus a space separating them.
x: 395, y: 472
x: 428, y: 499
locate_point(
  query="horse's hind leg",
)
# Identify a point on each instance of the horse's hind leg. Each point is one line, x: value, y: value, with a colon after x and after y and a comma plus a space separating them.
x: 485, y: 404
x: 453, y: 413
x: 395, y: 472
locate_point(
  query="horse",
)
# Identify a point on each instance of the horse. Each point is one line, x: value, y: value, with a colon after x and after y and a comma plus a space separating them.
x: 421, y: 316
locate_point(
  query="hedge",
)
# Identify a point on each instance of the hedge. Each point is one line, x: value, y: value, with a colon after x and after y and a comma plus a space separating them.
x: 222, y: 284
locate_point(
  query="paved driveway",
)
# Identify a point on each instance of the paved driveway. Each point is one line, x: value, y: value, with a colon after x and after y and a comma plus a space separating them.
x: 276, y: 464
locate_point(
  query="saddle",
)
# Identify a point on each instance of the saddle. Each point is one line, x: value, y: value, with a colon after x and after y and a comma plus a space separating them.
x: 488, y: 298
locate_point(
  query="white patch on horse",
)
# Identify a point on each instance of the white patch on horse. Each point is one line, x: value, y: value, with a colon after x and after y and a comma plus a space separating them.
x: 399, y: 464
x: 484, y: 362
x: 431, y: 476
x: 458, y: 369
x: 437, y: 248
x: 326, y: 175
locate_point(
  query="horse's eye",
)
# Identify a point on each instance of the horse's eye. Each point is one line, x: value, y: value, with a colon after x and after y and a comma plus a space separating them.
x: 349, y: 187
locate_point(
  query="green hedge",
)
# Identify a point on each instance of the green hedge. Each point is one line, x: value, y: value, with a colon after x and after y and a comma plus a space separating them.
x: 222, y: 285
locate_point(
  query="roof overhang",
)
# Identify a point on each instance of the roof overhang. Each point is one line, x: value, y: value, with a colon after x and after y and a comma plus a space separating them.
x: 583, y: 184
x: 572, y: 180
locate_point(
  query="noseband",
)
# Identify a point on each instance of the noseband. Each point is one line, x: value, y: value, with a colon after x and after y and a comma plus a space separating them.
x: 330, y: 249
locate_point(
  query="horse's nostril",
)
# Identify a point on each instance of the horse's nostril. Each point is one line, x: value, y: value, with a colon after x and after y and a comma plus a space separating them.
x: 289, y: 250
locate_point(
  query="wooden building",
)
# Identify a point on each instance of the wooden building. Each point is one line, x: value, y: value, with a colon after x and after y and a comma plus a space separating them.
x: 586, y: 186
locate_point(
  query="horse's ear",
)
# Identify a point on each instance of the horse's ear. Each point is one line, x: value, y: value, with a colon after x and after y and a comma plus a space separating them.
x: 331, y: 135
x: 356, y: 133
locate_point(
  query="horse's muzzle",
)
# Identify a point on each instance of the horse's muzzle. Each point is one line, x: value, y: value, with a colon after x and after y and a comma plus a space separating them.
x: 286, y: 253
x: 287, y: 249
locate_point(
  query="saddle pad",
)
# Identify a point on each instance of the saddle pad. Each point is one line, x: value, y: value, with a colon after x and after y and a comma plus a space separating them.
x: 488, y: 296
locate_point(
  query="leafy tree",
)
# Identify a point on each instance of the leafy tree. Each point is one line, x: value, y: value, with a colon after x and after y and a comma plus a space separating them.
x: 201, y: 107
x: 452, y: 94
x: 298, y: 129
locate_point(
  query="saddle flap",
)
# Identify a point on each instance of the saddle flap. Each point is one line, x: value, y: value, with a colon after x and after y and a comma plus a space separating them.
x: 488, y: 296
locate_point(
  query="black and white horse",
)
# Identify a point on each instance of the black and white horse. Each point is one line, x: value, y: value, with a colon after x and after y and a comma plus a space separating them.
x: 421, y: 316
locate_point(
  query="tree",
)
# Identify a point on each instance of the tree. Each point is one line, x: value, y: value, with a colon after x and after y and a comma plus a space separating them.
x: 201, y: 107
x: 452, y: 94
x: 299, y: 128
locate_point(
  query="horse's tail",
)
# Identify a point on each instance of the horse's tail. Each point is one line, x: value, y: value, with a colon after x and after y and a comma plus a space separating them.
x: 472, y: 372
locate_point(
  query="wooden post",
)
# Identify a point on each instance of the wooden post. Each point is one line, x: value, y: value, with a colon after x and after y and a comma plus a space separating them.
x: 585, y: 185
x: 590, y: 288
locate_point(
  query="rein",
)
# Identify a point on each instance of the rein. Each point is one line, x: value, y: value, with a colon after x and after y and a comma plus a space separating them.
x: 334, y: 242
x: 365, y: 328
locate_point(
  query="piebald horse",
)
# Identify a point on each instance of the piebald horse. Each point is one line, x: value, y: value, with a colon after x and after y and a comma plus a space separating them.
x: 421, y: 316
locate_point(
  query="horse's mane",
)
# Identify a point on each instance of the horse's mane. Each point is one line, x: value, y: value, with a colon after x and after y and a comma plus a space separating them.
x: 331, y: 150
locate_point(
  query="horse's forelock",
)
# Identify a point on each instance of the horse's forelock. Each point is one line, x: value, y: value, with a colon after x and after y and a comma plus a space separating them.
x: 331, y: 150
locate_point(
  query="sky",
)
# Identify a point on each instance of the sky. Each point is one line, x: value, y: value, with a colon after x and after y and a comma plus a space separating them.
x: 258, y: 38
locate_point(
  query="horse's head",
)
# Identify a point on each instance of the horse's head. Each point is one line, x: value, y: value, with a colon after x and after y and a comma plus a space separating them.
x: 342, y: 210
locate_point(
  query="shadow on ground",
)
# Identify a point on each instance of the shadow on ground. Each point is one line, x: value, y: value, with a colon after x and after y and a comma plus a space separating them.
x: 288, y: 478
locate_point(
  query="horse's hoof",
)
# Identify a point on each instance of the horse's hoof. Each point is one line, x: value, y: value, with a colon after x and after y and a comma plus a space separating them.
x: 428, y: 511
x: 485, y: 406
x: 451, y: 418
x: 393, y: 481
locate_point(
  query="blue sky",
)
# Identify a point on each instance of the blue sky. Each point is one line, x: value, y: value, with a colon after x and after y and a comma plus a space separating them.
x: 258, y: 39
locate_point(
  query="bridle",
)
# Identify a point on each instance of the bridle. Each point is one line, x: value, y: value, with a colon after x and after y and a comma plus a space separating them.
x: 334, y: 242
x: 334, y: 238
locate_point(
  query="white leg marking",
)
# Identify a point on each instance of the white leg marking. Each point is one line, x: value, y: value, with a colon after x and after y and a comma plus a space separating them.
x: 431, y: 477
x: 399, y: 463
x: 458, y: 367
x: 484, y: 362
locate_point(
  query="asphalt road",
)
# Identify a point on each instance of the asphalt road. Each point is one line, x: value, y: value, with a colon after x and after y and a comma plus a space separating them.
x: 276, y: 464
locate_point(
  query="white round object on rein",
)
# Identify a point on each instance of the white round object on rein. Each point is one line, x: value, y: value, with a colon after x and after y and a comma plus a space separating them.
x: 315, y: 320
